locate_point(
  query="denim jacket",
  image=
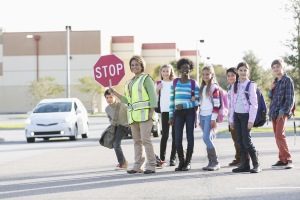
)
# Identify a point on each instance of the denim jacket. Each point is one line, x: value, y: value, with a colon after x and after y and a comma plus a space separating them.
x: 251, y: 109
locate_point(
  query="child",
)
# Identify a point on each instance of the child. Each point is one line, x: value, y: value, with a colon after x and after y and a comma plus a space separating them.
x: 183, y: 107
x: 232, y: 76
x: 282, y: 101
x: 164, y: 89
x: 116, y: 108
x: 241, y: 118
x: 209, y: 107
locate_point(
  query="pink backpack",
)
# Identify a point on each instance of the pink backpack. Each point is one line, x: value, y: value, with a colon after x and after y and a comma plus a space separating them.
x: 223, y: 110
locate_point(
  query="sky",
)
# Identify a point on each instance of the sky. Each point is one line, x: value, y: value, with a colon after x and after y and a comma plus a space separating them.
x: 229, y: 28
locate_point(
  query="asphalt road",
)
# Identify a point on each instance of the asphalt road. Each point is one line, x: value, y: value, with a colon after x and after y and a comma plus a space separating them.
x: 63, y: 169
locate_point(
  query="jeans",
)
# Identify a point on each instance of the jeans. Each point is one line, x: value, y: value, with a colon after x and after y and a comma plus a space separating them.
x: 120, y: 132
x: 243, y: 133
x: 279, y: 131
x: 235, y: 142
x: 165, y: 137
x: 184, y: 117
x: 208, y: 135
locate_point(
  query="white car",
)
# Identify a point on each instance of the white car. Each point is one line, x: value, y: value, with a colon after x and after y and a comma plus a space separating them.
x: 64, y: 117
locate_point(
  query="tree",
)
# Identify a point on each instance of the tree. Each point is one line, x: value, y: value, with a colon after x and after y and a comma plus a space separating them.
x: 221, y: 78
x: 255, y: 69
x: 293, y: 44
x: 263, y: 78
x: 45, y: 88
x: 91, y: 87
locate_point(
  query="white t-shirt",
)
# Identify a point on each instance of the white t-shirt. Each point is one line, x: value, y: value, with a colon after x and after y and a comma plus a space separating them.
x: 165, y: 94
x: 206, y: 106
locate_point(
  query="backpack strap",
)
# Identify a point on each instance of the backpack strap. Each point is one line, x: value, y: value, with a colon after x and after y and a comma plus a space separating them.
x: 193, y: 85
x: 158, y: 82
x: 175, y: 83
x: 247, y: 92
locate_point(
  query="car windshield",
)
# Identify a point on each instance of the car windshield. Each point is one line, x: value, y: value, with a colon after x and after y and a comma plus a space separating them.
x: 53, y: 107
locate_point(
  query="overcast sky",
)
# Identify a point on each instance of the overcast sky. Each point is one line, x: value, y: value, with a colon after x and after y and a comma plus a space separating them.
x: 229, y: 27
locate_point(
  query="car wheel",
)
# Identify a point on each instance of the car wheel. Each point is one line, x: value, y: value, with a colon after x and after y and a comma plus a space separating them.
x: 30, y: 140
x: 75, y: 133
x: 84, y: 135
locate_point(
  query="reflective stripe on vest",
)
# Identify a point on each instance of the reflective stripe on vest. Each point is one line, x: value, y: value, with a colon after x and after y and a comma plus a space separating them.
x: 138, y: 101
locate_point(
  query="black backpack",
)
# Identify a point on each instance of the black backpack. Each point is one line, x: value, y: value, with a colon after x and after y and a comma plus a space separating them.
x: 261, y: 115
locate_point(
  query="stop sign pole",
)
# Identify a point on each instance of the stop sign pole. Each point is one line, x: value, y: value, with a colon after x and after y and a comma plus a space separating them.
x: 109, y: 70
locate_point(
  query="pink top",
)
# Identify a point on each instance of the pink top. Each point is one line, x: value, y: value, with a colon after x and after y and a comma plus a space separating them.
x: 251, y: 109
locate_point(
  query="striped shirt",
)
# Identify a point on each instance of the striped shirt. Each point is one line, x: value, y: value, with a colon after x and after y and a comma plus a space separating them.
x: 183, y: 95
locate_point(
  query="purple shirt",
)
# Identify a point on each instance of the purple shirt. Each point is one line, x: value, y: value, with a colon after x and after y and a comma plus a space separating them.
x: 251, y: 109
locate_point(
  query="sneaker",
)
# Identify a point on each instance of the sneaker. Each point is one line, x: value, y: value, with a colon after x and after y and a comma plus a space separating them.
x: 281, y: 165
x: 234, y: 163
x: 289, y: 164
x: 132, y: 171
x: 122, y: 166
x: 172, y: 163
x: 160, y: 164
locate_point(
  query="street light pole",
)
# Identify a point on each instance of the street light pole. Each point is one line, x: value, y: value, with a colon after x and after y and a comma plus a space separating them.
x: 37, y: 52
x: 37, y: 40
x: 197, y: 61
x: 68, y: 91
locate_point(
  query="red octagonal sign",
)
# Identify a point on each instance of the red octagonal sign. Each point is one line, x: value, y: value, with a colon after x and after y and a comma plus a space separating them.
x: 109, y: 70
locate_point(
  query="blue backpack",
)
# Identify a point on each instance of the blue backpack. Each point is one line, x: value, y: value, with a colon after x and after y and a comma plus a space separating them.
x: 261, y: 115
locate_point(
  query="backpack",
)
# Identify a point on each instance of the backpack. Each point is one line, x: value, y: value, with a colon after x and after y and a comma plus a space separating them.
x: 261, y: 115
x: 223, y: 109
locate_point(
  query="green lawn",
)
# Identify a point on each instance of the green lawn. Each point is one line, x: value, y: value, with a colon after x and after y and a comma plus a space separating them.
x: 261, y: 130
x: 6, y: 126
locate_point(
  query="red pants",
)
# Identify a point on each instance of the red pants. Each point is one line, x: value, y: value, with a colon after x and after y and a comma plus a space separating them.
x: 279, y: 131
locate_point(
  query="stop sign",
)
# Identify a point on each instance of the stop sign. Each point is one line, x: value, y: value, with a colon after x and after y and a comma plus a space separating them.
x: 109, y: 70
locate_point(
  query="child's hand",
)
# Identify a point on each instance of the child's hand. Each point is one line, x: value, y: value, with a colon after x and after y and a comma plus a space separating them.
x: 193, y: 98
x: 179, y: 107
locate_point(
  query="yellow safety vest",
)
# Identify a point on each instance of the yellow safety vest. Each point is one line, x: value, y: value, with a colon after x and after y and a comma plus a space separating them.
x: 138, y: 100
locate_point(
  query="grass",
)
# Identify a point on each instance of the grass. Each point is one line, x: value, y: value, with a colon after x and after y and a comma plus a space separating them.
x: 11, y: 126
x: 260, y: 130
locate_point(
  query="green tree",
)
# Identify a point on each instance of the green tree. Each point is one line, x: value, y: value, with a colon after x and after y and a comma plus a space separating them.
x: 293, y: 44
x: 220, y: 72
x: 255, y: 69
x: 263, y: 78
x: 45, y: 88
x: 90, y: 87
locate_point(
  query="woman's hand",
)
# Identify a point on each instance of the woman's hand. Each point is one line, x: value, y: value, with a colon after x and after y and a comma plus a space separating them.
x: 151, y: 111
x: 179, y: 107
x: 231, y: 126
x: 158, y: 87
x: 213, y: 124
x: 250, y: 125
x: 171, y: 122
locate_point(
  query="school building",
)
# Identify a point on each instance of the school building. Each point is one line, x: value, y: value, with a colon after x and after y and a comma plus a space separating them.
x: 28, y: 56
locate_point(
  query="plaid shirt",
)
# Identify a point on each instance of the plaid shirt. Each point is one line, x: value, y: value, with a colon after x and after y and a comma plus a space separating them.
x: 282, y: 97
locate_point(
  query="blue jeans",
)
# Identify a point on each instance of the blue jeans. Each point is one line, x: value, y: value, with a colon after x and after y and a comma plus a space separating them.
x: 184, y: 117
x: 120, y: 133
x: 208, y: 135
